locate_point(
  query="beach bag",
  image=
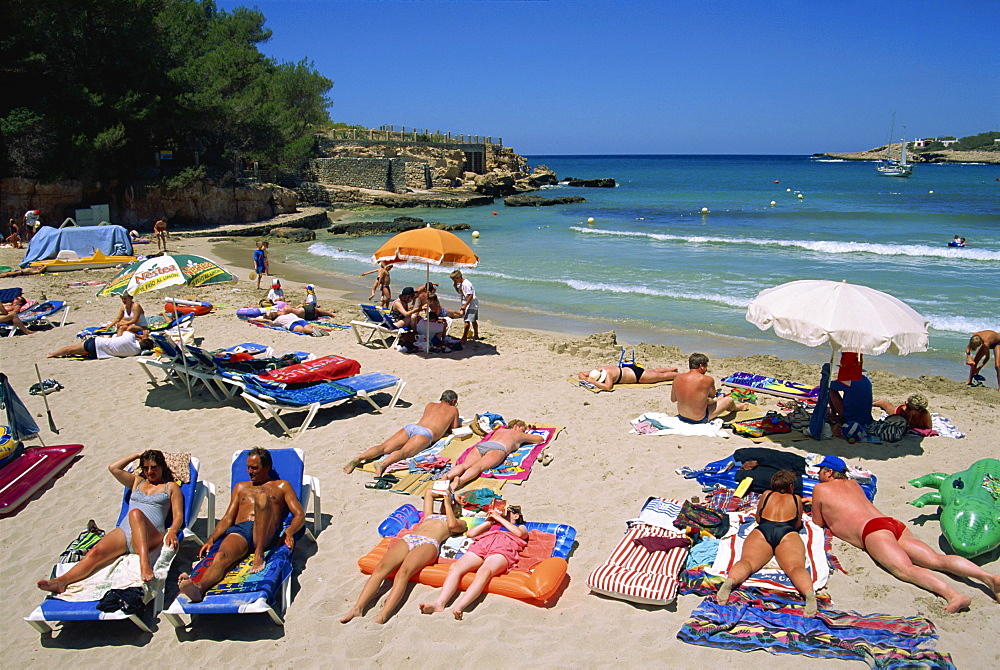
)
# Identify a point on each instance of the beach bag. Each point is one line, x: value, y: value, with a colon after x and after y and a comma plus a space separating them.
x: 83, y: 543
x: 702, y: 518
x: 799, y: 417
x: 890, y: 429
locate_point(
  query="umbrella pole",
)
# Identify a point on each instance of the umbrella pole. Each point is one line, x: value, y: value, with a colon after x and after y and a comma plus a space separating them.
x: 180, y: 343
x: 427, y: 345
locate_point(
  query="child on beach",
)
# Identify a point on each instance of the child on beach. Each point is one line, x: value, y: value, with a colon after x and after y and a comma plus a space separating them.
x: 977, y: 354
x: 260, y: 261
x: 408, y: 555
x: 276, y: 294
x: 499, y: 539
x: 310, y: 295
x: 381, y: 285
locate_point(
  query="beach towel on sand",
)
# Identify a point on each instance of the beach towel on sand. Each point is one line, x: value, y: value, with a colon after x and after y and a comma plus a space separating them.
x: 517, y: 466
x: 657, y: 423
x: 879, y: 640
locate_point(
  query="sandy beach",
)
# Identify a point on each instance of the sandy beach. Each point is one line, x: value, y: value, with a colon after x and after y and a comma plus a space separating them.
x: 599, y: 477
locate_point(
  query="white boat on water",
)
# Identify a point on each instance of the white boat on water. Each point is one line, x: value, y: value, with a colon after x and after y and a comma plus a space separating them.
x: 892, y: 167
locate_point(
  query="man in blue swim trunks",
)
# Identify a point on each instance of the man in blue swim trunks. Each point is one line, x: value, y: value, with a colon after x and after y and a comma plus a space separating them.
x: 250, y: 524
x: 696, y: 395
x: 439, y: 417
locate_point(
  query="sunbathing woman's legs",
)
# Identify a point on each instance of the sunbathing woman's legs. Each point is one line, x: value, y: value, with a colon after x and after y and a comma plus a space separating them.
x: 416, y: 560
x: 492, y: 566
x: 756, y: 553
x: 475, y: 464
x: 791, y: 555
x: 467, y: 563
x: 110, y: 547
x: 145, y: 536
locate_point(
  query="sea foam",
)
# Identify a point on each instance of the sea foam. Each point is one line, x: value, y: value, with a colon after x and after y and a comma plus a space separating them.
x: 818, y: 246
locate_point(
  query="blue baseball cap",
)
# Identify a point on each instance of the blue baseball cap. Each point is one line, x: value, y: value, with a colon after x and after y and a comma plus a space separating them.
x: 834, y: 463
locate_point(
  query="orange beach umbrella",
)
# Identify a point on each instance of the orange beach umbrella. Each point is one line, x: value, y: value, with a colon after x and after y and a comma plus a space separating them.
x: 429, y: 246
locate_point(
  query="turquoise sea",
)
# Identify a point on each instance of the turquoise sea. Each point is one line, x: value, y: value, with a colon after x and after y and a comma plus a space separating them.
x: 655, y: 269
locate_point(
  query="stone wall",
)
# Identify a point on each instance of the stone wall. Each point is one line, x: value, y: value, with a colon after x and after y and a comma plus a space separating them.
x: 418, y: 175
x: 138, y: 207
x: 377, y: 173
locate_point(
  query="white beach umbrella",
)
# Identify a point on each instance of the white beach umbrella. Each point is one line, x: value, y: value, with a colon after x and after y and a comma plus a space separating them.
x: 848, y: 316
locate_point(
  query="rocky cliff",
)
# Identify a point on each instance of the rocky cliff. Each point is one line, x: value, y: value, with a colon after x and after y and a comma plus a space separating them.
x: 138, y: 207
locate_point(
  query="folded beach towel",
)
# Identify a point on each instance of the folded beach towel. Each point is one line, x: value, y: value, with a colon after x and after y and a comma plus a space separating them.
x: 945, y: 427
x: 665, y: 424
x: 771, y: 576
x: 123, y: 573
x: 879, y: 640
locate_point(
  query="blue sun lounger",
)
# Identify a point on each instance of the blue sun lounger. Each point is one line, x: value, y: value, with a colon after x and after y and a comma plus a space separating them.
x: 378, y: 324
x: 269, y: 591
x: 311, y: 398
x: 54, y: 610
x: 39, y: 315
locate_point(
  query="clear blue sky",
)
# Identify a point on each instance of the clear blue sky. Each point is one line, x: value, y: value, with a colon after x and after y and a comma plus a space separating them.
x: 633, y: 76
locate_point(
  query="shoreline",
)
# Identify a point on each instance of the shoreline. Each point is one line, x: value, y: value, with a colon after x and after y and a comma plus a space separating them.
x: 356, y: 290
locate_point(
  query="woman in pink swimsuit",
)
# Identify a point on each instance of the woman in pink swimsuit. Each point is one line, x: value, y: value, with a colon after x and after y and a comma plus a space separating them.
x: 499, y: 539
x: 408, y: 555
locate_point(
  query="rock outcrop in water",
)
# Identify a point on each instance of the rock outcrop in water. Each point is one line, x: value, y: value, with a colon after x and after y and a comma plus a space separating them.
x: 529, y: 200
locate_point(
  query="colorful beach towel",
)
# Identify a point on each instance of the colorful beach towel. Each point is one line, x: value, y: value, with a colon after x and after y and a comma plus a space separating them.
x: 879, y: 640
x: 772, y: 386
x: 517, y: 467
x: 771, y: 576
x: 239, y: 579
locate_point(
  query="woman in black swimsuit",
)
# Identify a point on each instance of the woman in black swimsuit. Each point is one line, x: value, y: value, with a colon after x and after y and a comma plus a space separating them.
x: 775, y: 538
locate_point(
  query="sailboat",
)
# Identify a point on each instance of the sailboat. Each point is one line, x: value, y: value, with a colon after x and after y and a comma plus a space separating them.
x: 891, y: 167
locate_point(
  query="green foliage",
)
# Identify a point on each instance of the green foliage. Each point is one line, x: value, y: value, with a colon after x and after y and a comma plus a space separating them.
x: 96, y: 87
x: 980, y: 142
x: 186, y: 177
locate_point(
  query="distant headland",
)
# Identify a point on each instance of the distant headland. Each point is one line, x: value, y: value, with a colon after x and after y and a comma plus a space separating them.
x: 981, y: 148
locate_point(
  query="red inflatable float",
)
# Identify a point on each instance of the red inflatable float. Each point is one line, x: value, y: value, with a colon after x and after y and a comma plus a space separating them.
x: 187, y: 307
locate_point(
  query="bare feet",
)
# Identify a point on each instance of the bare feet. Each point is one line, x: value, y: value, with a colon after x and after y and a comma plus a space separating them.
x: 957, y: 604
x: 351, y: 465
x: 189, y: 588
x: 257, y: 565
x: 810, y: 609
x: 51, y: 585
x: 994, y: 583
x: 741, y: 406
x: 379, y: 466
x: 722, y: 597
x: 354, y: 612
x: 430, y: 608
x: 145, y: 572
x: 457, y: 614
x: 382, y: 617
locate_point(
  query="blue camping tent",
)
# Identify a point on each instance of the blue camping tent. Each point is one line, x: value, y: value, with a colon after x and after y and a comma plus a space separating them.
x: 48, y: 241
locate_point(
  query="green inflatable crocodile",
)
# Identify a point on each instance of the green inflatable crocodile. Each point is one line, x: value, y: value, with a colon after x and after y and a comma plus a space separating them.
x: 970, y: 506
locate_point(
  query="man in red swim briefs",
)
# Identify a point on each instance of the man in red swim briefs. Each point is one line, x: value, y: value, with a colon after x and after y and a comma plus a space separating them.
x: 838, y: 503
